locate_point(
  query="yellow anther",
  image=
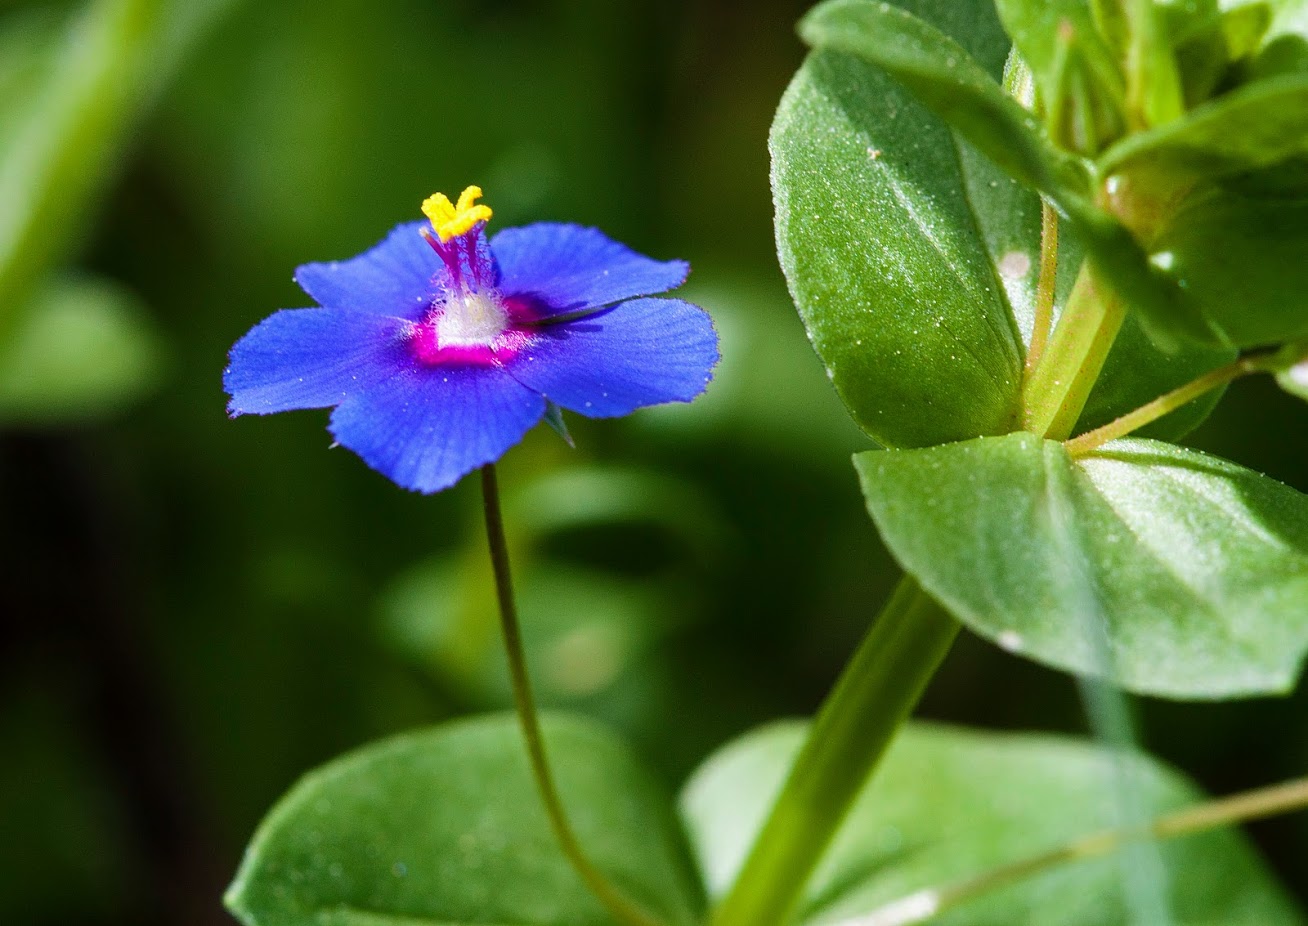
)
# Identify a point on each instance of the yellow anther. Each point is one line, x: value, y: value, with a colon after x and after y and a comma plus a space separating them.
x: 451, y: 219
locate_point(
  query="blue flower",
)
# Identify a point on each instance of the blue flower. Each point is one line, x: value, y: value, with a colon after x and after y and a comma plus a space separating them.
x: 439, y: 350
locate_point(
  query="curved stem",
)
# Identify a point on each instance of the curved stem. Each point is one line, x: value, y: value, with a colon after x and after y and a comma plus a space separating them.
x: 613, y: 899
x: 871, y: 700
x: 1249, y: 805
x: 1045, y: 284
x: 1164, y: 404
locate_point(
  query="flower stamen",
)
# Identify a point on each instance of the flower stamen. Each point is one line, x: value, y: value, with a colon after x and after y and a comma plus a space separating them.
x: 450, y: 220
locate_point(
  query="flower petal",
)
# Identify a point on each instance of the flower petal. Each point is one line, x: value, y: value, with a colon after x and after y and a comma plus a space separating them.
x: 311, y: 358
x: 398, y: 276
x: 426, y: 428
x: 642, y: 352
x: 570, y: 268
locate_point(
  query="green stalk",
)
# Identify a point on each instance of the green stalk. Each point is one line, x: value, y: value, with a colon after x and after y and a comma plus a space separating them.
x: 871, y: 700
x: 926, y: 904
x: 1169, y: 402
x: 1061, y: 382
x: 1045, y: 285
x: 614, y: 900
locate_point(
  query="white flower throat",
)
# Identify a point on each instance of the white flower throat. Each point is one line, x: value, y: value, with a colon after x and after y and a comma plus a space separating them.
x: 469, y: 319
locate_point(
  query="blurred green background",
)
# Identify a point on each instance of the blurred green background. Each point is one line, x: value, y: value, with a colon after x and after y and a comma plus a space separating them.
x: 197, y: 610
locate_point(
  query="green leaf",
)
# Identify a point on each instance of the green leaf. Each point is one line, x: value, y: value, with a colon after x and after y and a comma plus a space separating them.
x: 444, y: 827
x: 944, y: 77
x: 85, y: 349
x: 1253, y: 127
x: 1162, y: 569
x: 1137, y: 370
x: 1083, y: 112
x: 1239, y: 262
x: 884, y: 260
x: 948, y: 803
x: 1286, y: 55
x: 854, y: 115
x: 931, y: 64
x: 1123, y: 262
x: 1206, y: 42
x: 1244, y: 27
x: 1043, y: 31
x: 1153, y: 84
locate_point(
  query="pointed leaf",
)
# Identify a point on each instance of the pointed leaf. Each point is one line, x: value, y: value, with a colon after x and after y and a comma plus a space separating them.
x: 884, y: 260
x: 1034, y: 26
x: 948, y: 803
x: 944, y: 77
x: 1240, y: 263
x: 444, y: 827
x: 1153, y: 82
x: 1255, y: 126
x: 1162, y: 569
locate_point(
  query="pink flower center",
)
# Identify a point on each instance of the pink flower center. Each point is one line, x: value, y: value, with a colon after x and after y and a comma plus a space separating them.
x: 467, y: 328
x: 471, y: 319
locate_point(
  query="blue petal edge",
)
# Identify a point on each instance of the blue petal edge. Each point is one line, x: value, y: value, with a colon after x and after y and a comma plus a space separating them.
x: 571, y: 268
x: 398, y: 276
x: 638, y: 353
x: 424, y: 429
x: 311, y: 358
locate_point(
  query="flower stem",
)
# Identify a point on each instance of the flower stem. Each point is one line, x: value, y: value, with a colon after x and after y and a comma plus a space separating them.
x: 1249, y: 805
x: 1044, y: 303
x: 1169, y: 402
x: 1061, y: 382
x: 614, y: 900
x: 869, y: 703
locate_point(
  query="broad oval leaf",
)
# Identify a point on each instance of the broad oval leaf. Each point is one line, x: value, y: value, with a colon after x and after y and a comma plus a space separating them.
x: 444, y: 827
x: 884, y: 260
x: 947, y: 804
x: 1240, y: 263
x: 1165, y: 570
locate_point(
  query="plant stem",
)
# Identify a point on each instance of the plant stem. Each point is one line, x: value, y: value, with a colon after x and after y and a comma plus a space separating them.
x: 1044, y: 303
x: 1060, y: 384
x: 1164, y: 404
x: 1249, y: 805
x: 869, y: 703
x: 613, y: 899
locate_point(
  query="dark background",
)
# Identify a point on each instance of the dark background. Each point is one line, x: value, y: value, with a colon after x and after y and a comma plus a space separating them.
x: 198, y: 610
